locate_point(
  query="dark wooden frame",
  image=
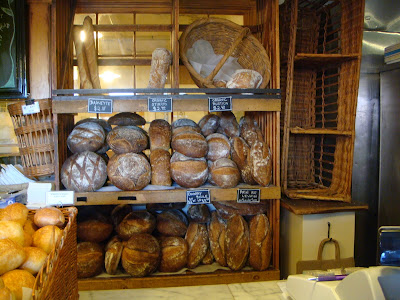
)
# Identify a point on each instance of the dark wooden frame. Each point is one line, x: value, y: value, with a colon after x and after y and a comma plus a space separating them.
x: 19, y: 90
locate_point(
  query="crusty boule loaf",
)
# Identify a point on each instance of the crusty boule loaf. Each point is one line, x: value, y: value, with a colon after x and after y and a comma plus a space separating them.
x: 187, y: 171
x: 90, y: 259
x: 209, y: 124
x: 218, y: 146
x: 140, y: 221
x: 126, y: 119
x: 260, y: 160
x: 260, y: 242
x: 172, y: 223
x: 124, y: 139
x: 87, y: 136
x: 228, y: 124
x: 174, y: 252
x: 236, y: 242
x: 225, y: 173
x: 94, y: 230
x: 190, y: 143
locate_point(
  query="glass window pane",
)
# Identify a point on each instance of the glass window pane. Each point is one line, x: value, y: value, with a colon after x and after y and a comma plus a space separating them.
x: 153, y: 19
x: 189, y: 19
x: 115, y: 19
x: 78, y: 18
x: 142, y: 76
x: 238, y: 19
x: 147, y: 42
x: 116, y: 77
x: 116, y: 43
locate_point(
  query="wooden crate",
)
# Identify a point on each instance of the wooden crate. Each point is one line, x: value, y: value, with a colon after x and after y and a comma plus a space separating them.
x: 320, y: 75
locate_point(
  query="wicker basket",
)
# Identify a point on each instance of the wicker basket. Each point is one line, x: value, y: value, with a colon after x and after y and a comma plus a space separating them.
x: 228, y: 39
x: 35, y: 138
x: 320, y: 78
x: 58, y: 277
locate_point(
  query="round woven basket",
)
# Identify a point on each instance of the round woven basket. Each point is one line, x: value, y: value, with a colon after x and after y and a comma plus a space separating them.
x: 228, y: 39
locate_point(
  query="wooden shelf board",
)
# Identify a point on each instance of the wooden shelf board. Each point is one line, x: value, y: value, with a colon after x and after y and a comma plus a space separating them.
x: 306, y: 207
x: 187, y: 279
x: 167, y: 196
x: 316, y: 194
x: 298, y: 130
x: 309, y: 60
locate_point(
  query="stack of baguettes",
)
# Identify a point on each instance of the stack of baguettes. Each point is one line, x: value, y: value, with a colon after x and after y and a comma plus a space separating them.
x: 25, y: 242
x: 164, y: 237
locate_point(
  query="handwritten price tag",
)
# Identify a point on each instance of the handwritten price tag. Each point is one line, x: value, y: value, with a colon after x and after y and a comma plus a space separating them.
x: 248, y: 195
x: 198, y: 197
x: 31, y: 109
x: 159, y: 104
x: 220, y: 104
x: 100, y: 106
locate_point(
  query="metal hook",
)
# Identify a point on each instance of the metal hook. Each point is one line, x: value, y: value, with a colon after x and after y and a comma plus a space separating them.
x: 329, y: 231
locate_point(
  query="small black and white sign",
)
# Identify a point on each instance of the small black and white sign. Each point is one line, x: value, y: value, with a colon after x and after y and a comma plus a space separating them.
x: 248, y: 195
x: 220, y: 104
x: 100, y: 106
x: 198, y: 197
x: 159, y: 104
x: 31, y: 107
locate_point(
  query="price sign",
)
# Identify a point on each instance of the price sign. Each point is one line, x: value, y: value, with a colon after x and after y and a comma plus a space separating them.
x: 219, y: 104
x: 31, y: 107
x: 59, y: 198
x: 159, y: 104
x: 248, y: 195
x: 198, y: 197
x: 100, y: 106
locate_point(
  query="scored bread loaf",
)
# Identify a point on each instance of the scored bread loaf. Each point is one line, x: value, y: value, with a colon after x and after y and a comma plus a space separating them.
x: 236, y: 242
x: 240, y: 152
x: 126, y: 119
x: 199, y: 213
x: 228, y: 208
x: 225, y: 173
x: 160, y: 167
x: 84, y: 172
x: 172, y: 223
x: 216, y: 233
x: 228, y: 124
x: 141, y: 255
x: 218, y: 146
x: 119, y: 212
x: 187, y: 171
x: 12, y: 255
x: 197, y: 239
x: 184, y: 122
x: 174, y: 252
x: 129, y: 171
x: 94, y: 230
x: 140, y: 221
x: 87, y: 136
x: 124, y: 139
x: 209, y: 124
x: 260, y: 160
x: 250, y: 131
x: 90, y: 259
x: 107, y: 128
x: 190, y: 143
x: 161, y: 59
x: 113, y: 255
x: 260, y: 242
x: 185, y: 128
x: 160, y: 135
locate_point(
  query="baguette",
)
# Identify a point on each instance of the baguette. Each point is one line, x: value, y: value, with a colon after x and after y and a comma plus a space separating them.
x: 90, y: 51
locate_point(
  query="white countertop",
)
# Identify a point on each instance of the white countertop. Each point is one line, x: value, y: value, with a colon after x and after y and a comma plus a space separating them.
x: 268, y: 290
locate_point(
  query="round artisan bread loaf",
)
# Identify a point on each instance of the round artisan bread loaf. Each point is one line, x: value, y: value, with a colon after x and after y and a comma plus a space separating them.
x: 184, y: 122
x: 160, y: 167
x: 113, y: 255
x: 12, y: 255
x: 199, y: 213
x: 90, y: 259
x: 172, y: 223
x: 140, y: 221
x: 187, y: 171
x: 228, y: 124
x: 250, y: 131
x: 5, y: 292
x: 190, y: 143
x: 197, y: 239
x: 35, y: 259
x: 13, y: 231
x: 216, y: 234
x: 237, y: 242
x: 240, y: 153
x: 107, y: 128
x: 185, y: 128
x: 49, y: 216
x: 225, y: 173
x: 94, y: 230
x: 260, y: 160
x: 126, y: 119
x: 129, y: 171
x: 160, y: 135
x: 174, y: 252
x: 119, y: 213
x: 124, y: 139
x: 87, y: 136
x: 84, y: 172
x: 15, y: 280
x: 47, y: 238
x: 141, y: 255
x: 218, y: 146
x: 209, y: 124
x: 16, y: 212
x: 228, y: 208
x: 260, y: 242
x: 245, y: 79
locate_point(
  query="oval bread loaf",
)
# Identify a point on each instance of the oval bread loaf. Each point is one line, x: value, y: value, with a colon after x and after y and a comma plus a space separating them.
x: 174, y: 252
x: 125, y: 139
x: 260, y: 161
x: 260, y: 242
x: 35, y: 259
x: 250, y: 131
x: 240, y: 152
x: 160, y: 167
x: 12, y: 255
x: 228, y: 124
x: 225, y: 173
x: 16, y: 212
x: 126, y: 119
x: 190, y: 143
x: 87, y: 136
x: 216, y: 233
x: 209, y: 124
x: 172, y: 223
x: 113, y: 255
x: 90, y: 259
x: 188, y: 172
x: 218, y: 146
x: 236, y: 242
x: 49, y: 216
x: 197, y: 239
x: 160, y: 135
x: 136, y: 222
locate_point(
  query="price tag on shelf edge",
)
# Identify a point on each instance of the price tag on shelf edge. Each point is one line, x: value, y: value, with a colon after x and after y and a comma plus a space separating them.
x: 198, y: 197
x: 248, y: 195
x: 31, y: 107
x: 100, y: 106
x: 219, y: 104
x: 60, y: 198
x: 159, y: 104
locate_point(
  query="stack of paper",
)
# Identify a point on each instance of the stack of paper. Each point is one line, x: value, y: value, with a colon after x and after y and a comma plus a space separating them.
x: 392, y: 54
x: 10, y: 175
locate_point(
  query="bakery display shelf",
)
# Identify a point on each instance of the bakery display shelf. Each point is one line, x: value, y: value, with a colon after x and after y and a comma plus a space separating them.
x: 76, y: 100
x: 176, y: 194
x: 299, y: 130
x: 316, y: 60
x: 185, y: 279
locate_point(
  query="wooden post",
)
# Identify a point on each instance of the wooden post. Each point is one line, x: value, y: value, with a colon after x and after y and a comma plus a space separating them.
x: 39, y: 48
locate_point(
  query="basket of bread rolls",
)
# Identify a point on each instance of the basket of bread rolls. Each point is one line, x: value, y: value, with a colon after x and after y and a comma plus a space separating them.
x: 38, y: 253
x: 221, y: 53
